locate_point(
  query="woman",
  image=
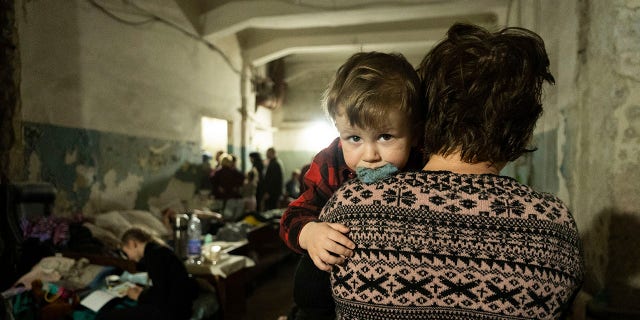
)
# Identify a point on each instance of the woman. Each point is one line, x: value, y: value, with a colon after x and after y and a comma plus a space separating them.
x: 258, y: 168
x: 457, y: 240
x: 226, y: 184
x: 172, y: 291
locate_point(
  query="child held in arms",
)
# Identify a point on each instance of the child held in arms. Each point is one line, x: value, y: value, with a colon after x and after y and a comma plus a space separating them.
x: 375, y: 103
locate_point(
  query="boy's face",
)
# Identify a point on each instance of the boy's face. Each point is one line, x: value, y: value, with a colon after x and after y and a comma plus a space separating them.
x: 133, y: 249
x: 390, y: 142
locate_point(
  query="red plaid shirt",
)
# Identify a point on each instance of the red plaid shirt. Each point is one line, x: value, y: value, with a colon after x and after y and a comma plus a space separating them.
x: 327, y: 173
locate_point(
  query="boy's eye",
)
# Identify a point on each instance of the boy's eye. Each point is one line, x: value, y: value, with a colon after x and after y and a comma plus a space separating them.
x: 354, y: 138
x: 385, y: 137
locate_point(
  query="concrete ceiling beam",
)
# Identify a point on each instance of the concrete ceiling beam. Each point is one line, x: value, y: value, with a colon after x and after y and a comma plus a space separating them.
x: 234, y: 16
x: 398, y: 41
x: 407, y: 37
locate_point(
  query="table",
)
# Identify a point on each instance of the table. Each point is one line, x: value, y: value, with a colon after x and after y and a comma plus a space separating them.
x: 227, y: 264
x: 229, y: 277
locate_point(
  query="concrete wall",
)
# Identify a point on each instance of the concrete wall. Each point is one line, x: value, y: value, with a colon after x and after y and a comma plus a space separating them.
x: 112, y: 110
x: 303, y: 127
x: 591, y: 152
x: 603, y: 172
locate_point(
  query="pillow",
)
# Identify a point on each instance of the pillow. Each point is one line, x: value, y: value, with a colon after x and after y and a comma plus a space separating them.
x: 146, y: 220
x: 106, y: 237
x: 113, y: 221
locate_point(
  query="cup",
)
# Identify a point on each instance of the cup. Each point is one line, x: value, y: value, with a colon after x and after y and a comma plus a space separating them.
x: 214, y: 254
x: 112, y: 281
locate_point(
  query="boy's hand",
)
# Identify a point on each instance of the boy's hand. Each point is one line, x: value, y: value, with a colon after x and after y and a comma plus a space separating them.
x: 134, y: 292
x: 326, y: 243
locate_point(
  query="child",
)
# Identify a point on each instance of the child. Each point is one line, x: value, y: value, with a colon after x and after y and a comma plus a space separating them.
x: 172, y: 291
x: 375, y: 104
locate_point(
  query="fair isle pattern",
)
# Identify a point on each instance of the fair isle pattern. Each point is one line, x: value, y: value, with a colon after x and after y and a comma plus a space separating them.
x: 439, y: 245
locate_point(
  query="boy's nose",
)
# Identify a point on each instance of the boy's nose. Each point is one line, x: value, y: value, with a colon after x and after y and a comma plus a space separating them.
x: 371, y: 154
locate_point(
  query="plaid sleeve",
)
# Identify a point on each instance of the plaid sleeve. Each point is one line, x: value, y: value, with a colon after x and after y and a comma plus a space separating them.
x: 327, y: 172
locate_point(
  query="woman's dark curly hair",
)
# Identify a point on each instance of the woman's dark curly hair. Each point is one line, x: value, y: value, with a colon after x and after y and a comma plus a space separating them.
x: 483, y: 92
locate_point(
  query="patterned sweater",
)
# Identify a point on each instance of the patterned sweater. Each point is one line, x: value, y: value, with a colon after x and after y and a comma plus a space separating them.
x: 439, y: 245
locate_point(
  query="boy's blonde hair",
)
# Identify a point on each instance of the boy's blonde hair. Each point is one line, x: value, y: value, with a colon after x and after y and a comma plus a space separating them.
x: 140, y: 234
x: 371, y: 84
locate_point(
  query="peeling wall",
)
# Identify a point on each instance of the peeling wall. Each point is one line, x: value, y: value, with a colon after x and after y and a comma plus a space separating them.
x: 595, y: 110
x: 96, y: 172
x: 611, y: 66
x: 588, y: 141
x: 112, y: 110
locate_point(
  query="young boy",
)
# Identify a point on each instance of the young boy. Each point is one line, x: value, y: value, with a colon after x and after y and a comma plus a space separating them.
x: 172, y: 292
x: 375, y: 104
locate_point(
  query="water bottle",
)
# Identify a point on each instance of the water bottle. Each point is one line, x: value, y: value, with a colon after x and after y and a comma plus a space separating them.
x: 194, y: 247
x: 180, y: 236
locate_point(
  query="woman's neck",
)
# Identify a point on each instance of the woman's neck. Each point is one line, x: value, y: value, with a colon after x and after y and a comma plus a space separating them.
x: 455, y: 164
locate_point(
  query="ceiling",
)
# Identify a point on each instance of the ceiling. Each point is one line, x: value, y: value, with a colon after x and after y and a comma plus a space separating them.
x: 314, y: 30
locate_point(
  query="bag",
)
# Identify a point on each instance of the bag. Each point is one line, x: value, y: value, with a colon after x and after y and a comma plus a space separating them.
x: 24, y: 307
x: 53, y: 292
x: 55, y: 302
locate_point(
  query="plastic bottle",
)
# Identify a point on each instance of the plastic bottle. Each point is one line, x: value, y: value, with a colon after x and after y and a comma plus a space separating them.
x: 194, y: 232
x: 180, y: 235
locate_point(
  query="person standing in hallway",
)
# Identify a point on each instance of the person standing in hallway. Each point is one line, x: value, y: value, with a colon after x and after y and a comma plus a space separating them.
x: 292, y: 186
x: 273, y: 181
x: 249, y: 190
x: 204, y: 184
x: 226, y: 183
x: 219, y: 153
x: 258, y: 169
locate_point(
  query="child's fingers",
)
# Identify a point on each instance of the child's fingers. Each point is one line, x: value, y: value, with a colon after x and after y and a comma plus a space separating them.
x: 341, y: 240
x: 330, y: 259
x: 339, y: 227
x: 320, y: 264
x: 336, y: 249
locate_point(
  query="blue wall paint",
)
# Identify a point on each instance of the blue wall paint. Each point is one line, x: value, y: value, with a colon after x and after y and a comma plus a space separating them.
x: 108, y: 151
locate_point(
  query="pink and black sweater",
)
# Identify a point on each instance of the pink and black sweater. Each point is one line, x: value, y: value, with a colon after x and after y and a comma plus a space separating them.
x: 439, y: 245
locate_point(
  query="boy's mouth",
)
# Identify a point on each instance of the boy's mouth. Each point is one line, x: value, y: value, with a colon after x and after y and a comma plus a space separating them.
x: 369, y: 175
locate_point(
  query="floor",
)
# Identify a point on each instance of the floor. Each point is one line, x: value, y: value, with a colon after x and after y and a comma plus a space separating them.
x: 271, y: 296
